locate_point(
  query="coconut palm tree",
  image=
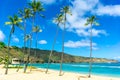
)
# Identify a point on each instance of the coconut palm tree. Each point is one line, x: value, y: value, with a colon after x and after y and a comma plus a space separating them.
x: 36, y: 7
x: 57, y: 20
x: 91, y: 21
x: 14, y: 21
x: 65, y: 10
x: 28, y: 37
x: 25, y: 14
x: 36, y: 30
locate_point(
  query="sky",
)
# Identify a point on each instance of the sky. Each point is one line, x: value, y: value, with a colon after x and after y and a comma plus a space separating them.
x: 106, y: 40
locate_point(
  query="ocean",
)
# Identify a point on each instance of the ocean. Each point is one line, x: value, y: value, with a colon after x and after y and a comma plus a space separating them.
x: 103, y: 69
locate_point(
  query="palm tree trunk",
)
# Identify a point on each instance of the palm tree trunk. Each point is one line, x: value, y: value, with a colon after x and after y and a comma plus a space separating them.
x: 7, y: 64
x: 52, y: 49
x: 24, y: 45
x: 31, y: 36
x: 60, y: 73
x: 90, y: 63
x: 36, y: 44
x: 28, y: 57
x: 35, y: 50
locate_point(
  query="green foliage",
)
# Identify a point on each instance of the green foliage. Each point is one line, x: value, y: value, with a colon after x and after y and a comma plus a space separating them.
x: 59, y: 19
x: 36, y: 6
x: 4, y: 59
x: 14, y: 21
x: 2, y: 45
x: 36, y: 29
x: 66, y: 10
x: 92, y: 21
x: 26, y: 13
x: 15, y: 47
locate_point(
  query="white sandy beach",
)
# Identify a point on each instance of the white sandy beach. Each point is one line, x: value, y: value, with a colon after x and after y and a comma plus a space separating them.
x: 39, y: 74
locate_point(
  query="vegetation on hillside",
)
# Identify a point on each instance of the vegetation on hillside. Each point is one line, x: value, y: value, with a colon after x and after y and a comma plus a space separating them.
x: 43, y: 56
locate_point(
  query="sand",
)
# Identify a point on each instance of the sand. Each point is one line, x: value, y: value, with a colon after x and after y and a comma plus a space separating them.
x: 39, y: 74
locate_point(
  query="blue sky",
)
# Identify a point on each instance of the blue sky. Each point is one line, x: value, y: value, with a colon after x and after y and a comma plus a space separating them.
x: 106, y: 40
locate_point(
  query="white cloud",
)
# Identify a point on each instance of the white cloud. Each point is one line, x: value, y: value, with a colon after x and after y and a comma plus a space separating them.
x: 98, y: 32
x: 80, y: 8
x: 76, y: 22
x: 15, y: 39
x: 42, y: 42
x: 78, y: 44
x: 2, y: 36
x: 110, y: 10
x: 117, y: 58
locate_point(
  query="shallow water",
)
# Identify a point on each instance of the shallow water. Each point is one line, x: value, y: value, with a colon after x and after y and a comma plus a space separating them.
x: 104, y: 69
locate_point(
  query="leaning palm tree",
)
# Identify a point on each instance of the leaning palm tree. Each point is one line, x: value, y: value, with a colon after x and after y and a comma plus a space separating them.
x: 57, y: 20
x: 25, y: 14
x: 91, y: 21
x: 28, y: 37
x: 65, y: 10
x: 14, y: 21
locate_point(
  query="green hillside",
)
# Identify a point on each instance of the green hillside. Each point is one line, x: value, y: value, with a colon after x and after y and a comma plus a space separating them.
x: 42, y: 55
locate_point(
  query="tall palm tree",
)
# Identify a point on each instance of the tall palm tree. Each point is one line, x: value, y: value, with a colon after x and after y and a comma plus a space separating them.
x: 91, y: 21
x: 14, y: 21
x: 28, y: 37
x: 65, y: 10
x: 25, y: 14
x: 57, y: 20
x: 36, y: 30
x: 36, y: 7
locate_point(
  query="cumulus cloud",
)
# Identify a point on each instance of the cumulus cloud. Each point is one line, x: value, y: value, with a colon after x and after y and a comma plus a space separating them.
x: 15, y: 39
x: 42, y: 42
x: 78, y: 44
x: 81, y: 8
x: 110, y: 10
x: 76, y: 22
x: 2, y: 36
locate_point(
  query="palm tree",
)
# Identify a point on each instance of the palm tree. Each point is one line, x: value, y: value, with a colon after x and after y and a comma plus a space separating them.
x: 58, y: 20
x: 36, y: 7
x: 36, y: 30
x: 28, y: 37
x: 65, y: 10
x: 92, y: 21
x: 25, y: 14
x: 14, y: 21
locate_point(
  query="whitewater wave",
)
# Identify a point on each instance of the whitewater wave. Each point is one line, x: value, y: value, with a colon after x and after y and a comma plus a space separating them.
x: 96, y: 66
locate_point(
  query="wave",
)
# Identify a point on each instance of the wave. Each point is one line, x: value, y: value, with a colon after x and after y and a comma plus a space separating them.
x: 96, y: 66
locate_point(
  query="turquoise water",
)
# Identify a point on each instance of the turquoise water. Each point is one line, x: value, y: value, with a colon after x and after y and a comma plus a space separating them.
x: 105, y: 69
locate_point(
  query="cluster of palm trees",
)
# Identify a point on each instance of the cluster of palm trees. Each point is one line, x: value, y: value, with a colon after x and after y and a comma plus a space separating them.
x: 35, y: 8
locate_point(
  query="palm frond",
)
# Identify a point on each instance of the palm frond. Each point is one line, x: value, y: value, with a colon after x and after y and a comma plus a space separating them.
x: 27, y: 37
x: 8, y: 23
x: 96, y: 23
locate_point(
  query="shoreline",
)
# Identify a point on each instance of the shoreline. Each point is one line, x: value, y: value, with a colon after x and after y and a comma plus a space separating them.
x: 86, y: 73
x: 39, y: 74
